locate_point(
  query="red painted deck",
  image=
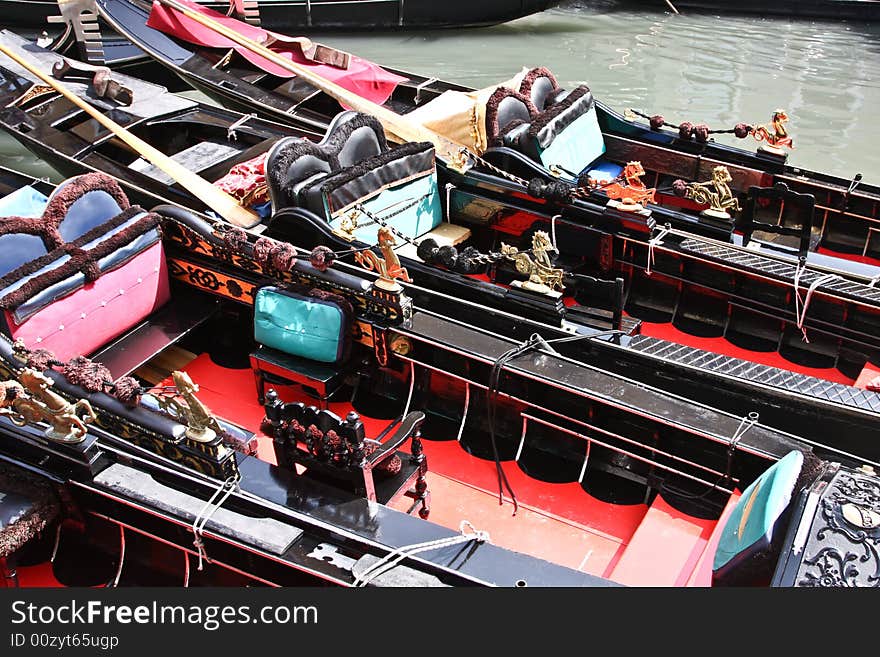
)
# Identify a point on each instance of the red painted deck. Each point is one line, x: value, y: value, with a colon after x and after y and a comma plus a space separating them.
x: 665, y: 548
x: 562, y: 523
x: 702, y: 574
x: 558, y: 522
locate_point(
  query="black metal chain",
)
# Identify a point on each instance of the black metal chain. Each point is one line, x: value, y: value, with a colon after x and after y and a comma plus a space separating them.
x: 496, y: 170
x: 578, y: 192
x: 383, y: 221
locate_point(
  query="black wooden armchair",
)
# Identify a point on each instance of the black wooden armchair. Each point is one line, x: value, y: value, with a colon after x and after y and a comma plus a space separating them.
x: 338, y: 452
x: 796, y: 215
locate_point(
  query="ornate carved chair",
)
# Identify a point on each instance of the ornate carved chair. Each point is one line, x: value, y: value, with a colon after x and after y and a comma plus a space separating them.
x: 795, y: 215
x: 337, y: 451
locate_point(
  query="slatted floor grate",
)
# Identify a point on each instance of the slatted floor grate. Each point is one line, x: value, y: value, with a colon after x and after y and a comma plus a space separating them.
x: 758, y: 263
x: 757, y: 373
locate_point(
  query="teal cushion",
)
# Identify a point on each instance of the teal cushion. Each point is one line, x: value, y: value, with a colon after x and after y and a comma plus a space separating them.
x: 750, y: 527
x: 300, y: 325
x: 420, y: 201
x: 578, y: 146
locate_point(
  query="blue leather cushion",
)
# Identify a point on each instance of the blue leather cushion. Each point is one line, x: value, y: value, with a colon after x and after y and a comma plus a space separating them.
x: 299, y: 325
x: 604, y: 170
x: 17, y: 248
x: 23, y: 202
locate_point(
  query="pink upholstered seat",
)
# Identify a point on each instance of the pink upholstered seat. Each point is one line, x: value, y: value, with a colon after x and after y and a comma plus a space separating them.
x: 91, y: 267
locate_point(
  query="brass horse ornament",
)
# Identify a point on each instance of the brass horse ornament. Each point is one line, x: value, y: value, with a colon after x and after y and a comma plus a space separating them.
x: 543, y: 276
x: 30, y: 400
x: 778, y: 138
x: 182, y: 403
x: 715, y: 193
x: 389, y: 267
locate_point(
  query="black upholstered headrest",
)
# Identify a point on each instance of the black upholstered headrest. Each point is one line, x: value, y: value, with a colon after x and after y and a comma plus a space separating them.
x: 291, y: 162
x: 504, y: 107
x: 540, y: 86
x: 355, y: 138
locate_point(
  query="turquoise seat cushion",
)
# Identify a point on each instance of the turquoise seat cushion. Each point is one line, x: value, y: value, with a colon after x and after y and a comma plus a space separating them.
x: 300, y: 325
x: 751, y: 525
x: 413, y: 208
x: 577, y: 146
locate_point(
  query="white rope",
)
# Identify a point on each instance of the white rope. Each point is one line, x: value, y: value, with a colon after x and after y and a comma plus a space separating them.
x: 230, y: 131
x: 746, y: 423
x: 467, y: 403
x: 801, y: 305
x: 553, y: 230
x: 121, y: 556
x: 412, y: 384
x: 654, y: 241
x: 223, y: 492
x: 874, y: 281
x: 397, y: 555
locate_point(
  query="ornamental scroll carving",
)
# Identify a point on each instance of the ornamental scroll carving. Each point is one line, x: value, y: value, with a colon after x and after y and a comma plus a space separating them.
x: 842, y: 549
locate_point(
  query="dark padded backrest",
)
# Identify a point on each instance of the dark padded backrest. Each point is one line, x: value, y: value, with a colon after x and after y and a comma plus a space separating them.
x: 292, y: 162
x: 355, y: 138
x: 540, y: 86
x: 387, y: 169
x: 296, y: 165
x: 505, y: 110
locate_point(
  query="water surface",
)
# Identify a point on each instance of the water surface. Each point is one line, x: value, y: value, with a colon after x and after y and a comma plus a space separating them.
x: 698, y: 68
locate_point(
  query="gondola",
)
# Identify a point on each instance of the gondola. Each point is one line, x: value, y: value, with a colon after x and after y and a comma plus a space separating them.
x: 786, y: 213
x: 140, y: 414
x: 500, y: 123
x: 77, y: 33
x: 327, y: 14
x: 212, y: 141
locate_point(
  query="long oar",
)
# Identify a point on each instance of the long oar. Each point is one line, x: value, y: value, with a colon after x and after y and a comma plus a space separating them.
x: 395, y: 123
x: 213, y: 197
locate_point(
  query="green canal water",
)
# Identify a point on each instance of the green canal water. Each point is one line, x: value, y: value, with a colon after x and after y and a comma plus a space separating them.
x: 718, y: 70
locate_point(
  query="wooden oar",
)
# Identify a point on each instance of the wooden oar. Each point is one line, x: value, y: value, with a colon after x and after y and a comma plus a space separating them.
x: 395, y: 123
x: 213, y: 197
